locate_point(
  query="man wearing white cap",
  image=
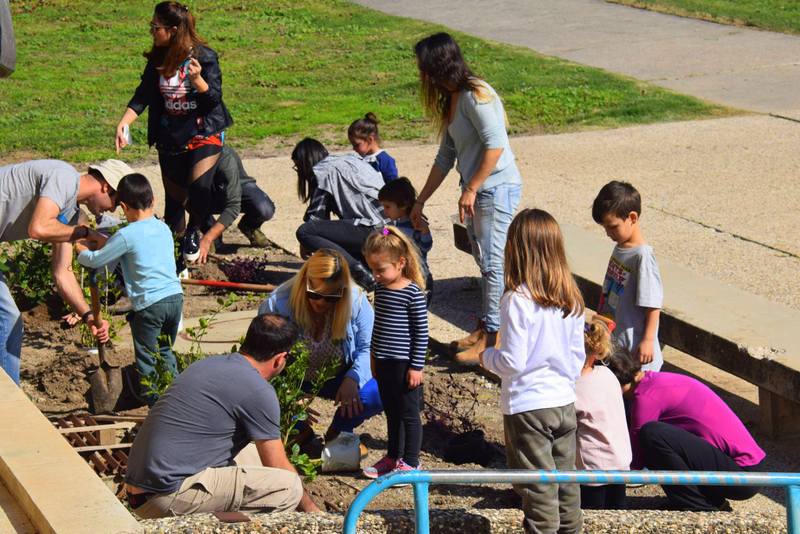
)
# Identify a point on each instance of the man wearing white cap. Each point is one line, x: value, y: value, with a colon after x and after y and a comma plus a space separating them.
x: 39, y: 200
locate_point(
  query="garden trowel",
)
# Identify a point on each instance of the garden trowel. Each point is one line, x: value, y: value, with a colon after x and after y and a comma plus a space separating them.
x: 106, y: 381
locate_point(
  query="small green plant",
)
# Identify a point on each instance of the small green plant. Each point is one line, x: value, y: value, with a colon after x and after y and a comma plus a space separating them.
x: 295, y: 400
x: 110, y: 291
x: 197, y: 333
x: 27, y: 266
x: 160, y: 379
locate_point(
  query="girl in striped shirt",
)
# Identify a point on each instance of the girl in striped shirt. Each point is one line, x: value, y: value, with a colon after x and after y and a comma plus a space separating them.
x: 399, y: 344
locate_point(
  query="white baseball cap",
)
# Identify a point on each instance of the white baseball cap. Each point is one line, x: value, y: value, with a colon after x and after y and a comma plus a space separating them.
x: 112, y: 171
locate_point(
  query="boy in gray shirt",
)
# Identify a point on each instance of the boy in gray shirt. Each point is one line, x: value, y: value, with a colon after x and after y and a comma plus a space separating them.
x: 632, y: 293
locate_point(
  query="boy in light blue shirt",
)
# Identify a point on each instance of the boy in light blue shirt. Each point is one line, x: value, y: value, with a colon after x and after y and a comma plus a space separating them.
x: 145, y: 250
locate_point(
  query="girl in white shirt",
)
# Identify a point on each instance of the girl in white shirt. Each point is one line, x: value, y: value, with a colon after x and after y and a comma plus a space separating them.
x: 539, y: 359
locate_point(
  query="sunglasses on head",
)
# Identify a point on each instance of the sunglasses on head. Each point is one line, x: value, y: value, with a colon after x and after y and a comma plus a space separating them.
x: 313, y: 295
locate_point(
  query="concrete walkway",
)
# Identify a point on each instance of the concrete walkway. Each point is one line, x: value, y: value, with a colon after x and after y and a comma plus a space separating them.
x: 738, y: 67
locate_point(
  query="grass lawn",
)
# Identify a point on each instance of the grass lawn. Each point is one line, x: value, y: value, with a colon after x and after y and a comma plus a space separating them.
x: 776, y: 15
x: 291, y: 68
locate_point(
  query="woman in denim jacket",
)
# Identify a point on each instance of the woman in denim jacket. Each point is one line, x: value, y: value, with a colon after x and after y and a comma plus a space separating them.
x: 335, y: 320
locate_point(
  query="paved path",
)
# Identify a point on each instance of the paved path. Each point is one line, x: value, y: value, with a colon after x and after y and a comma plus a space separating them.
x: 720, y: 196
x: 739, y: 67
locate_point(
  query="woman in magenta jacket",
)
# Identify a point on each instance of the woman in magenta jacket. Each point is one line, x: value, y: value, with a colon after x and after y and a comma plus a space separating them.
x: 679, y: 424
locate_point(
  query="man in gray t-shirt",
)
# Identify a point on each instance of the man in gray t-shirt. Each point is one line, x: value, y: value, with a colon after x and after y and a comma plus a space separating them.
x: 182, y: 460
x: 39, y: 200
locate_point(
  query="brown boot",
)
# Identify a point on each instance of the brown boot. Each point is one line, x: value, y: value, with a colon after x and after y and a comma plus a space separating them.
x: 467, y: 341
x: 470, y: 356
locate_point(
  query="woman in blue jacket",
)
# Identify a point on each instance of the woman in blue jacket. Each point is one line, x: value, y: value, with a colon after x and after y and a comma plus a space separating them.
x: 182, y: 85
x: 335, y: 320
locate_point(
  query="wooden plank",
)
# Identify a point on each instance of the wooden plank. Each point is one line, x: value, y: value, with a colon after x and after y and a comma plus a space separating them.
x: 93, y: 448
x: 131, y: 418
x: 52, y: 485
x: 111, y: 426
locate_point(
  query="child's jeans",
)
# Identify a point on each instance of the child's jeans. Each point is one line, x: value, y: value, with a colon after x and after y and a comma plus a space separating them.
x: 402, y: 407
x: 545, y: 439
x: 154, y: 331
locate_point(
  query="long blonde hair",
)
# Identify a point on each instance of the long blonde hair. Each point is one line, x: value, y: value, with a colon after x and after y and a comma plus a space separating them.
x: 330, y: 267
x: 535, y: 257
x: 597, y: 337
x: 394, y: 242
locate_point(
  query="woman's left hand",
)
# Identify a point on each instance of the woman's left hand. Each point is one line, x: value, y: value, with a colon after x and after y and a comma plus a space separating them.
x: 194, y: 69
x: 348, y: 399
x: 466, y: 204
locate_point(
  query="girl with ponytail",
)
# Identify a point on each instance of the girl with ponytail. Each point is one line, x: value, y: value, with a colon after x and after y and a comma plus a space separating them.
x: 399, y: 344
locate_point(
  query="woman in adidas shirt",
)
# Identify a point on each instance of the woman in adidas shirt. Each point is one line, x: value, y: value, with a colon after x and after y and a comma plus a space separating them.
x: 182, y: 84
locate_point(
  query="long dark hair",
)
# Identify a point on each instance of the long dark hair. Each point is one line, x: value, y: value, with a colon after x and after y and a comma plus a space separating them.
x: 442, y: 70
x: 305, y: 155
x: 185, y: 41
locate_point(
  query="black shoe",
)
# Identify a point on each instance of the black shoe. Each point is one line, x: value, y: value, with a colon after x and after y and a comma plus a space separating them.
x: 191, y: 245
x: 363, y: 278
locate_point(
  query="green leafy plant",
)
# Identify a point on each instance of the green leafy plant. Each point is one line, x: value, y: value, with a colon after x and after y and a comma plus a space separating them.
x: 27, y: 267
x: 295, y: 401
x: 110, y: 291
x: 162, y: 376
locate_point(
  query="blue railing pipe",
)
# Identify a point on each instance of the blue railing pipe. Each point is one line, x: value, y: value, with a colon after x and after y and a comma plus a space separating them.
x: 421, y: 480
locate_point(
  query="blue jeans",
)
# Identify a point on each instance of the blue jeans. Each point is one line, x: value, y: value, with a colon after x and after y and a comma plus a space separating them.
x: 154, y: 331
x: 494, y: 210
x: 10, y: 332
x: 370, y: 399
x: 257, y: 208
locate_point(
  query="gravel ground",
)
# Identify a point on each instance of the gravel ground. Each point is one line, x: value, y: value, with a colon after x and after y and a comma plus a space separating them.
x: 476, y: 522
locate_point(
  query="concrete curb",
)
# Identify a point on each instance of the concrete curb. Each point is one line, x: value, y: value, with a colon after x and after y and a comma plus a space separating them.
x: 48, y: 480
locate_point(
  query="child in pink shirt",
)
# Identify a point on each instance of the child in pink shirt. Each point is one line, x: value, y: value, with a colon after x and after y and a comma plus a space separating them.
x: 603, y: 442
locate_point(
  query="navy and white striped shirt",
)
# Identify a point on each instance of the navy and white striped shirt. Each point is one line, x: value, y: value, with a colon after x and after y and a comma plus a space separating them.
x: 400, y: 331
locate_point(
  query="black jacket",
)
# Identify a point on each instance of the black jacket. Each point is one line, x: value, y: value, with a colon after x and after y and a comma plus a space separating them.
x: 209, y: 104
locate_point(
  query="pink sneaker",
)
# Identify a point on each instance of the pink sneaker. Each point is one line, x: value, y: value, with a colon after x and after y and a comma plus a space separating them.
x: 381, y: 467
x: 402, y: 467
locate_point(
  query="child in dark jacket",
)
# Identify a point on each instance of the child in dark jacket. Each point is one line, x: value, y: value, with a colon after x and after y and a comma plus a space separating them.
x: 397, y: 198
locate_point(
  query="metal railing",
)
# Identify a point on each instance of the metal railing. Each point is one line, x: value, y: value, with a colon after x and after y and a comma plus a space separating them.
x: 421, y: 480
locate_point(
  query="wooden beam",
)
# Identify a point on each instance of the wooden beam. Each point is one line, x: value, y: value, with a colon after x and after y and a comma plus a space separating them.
x: 93, y: 428
x: 93, y: 448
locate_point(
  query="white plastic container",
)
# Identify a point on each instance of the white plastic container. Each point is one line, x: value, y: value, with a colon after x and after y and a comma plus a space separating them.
x: 342, y: 453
